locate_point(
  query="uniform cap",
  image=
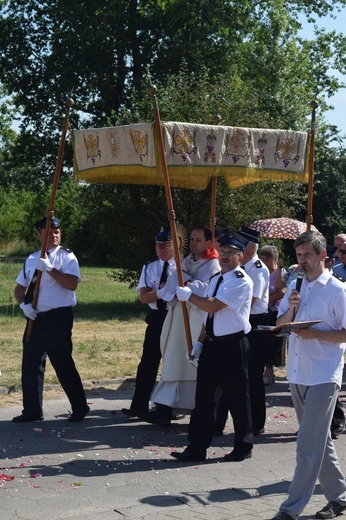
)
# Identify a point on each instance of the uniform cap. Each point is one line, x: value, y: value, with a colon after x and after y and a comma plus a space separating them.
x: 41, y: 224
x: 163, y: 235
x: 331, y: 251
x: 250, y: 234
x: 233, y: 239
x: 220, y: 231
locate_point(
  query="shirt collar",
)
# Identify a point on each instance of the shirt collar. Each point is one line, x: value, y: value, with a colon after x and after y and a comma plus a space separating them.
x: 323, y: 278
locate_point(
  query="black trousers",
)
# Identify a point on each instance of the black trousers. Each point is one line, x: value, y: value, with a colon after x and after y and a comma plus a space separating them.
x: 150, y: 361
x: 223, y: 363
x: 51, y: 336
x: 257, y: 343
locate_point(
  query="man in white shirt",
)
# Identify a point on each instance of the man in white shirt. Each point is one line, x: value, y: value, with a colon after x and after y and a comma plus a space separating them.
x: 153, y: 277
x: 260, y: 276
x: 314, y: 369
x: 223, y: 349
x: 340, y: 268
x: 177, y: 385
x: 52, y: 327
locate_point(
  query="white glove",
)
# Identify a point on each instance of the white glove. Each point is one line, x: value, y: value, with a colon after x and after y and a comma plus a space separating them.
x: 28, y: 310
x: 44, y: 265
x: 183, y: 293
x: 195, y: 352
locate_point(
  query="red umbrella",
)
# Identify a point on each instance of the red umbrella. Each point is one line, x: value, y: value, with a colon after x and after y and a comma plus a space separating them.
x: 281, y: 227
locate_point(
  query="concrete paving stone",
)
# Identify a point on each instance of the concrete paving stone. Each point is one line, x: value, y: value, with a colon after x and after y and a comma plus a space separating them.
x: 125, y: 470
x: 101, y: 515
x: 145, y: 510
x: 10, y: 505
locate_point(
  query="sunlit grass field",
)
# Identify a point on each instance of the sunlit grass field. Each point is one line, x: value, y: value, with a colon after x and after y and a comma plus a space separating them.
x: 108, y: 328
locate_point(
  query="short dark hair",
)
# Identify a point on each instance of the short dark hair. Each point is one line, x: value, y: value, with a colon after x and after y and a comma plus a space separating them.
x: 311, y: 237
x: 208, y: 235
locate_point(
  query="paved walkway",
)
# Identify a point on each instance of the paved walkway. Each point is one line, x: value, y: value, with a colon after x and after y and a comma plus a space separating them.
x: 110, y: 467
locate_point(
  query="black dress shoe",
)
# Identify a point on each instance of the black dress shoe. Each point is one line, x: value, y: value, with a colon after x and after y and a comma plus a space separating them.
x: 79, y: 416
x: 337, y: 429
x: 27, y: 418
x: 258, y: 431
x: 155, y: 418
x: 237, y: 456
x: 130, y: 412
x: 187, y: 456
x: 178, y: 416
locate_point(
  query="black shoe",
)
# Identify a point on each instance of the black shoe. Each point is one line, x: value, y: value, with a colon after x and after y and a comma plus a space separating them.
x: 331, y: 510
x: 337, y: 430
x: 79, y: 416
x: 130, y: 412
x: 218, y: 433
x: 155, y: 418
x: 187, y: 456
x: 27, y: 418
x: 178, y: 416
x: 237, y: 456
x: 281, y: 515
x: 258, y: 432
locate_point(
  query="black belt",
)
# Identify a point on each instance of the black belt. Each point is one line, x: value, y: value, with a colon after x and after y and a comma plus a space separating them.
x: 236, y: 335
x: 52, y: 311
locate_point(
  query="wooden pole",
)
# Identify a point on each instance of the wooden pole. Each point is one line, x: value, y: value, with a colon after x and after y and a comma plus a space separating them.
x: 309, y: 216
x: 212, y: 221
x: 50, y: 211
x: 170, y: 213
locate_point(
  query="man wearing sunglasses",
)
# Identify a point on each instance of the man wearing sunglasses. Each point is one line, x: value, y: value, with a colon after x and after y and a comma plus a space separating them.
x: 340, y: 269
x: 222, y: 352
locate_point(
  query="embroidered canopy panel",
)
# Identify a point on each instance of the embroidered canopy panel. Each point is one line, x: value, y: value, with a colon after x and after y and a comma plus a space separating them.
x: 194, y: 153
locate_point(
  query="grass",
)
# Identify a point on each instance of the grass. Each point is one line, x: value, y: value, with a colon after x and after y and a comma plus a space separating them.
x: 108, y: 328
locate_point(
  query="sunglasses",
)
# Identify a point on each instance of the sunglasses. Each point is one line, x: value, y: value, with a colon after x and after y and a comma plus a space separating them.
x: 343, y: 251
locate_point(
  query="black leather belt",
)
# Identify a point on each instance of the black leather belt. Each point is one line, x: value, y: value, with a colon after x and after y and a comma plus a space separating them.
x: 236, y: 335
x: 52, y: 311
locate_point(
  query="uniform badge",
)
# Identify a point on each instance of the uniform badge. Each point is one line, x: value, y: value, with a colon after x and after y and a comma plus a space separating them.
x: 338, y: 277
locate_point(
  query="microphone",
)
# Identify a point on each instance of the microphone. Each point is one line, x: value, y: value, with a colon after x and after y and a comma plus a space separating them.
x: 300, y: 276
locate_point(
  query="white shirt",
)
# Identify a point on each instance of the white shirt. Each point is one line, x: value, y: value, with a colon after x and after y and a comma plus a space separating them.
x: 236, y: 292
x: 259, y: 274
x: 51, y: 294
x: 151, y: 275
x: 313, y: 362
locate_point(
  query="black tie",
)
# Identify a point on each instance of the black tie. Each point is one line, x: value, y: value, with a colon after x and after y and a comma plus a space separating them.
x: 161, y: 304
x: 209, y: 326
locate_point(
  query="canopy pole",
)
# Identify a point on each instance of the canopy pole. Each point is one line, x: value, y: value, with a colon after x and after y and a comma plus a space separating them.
x: 170, y: 213
x: 212, y: 221
x: 309, y: 216
x: 50, y: 211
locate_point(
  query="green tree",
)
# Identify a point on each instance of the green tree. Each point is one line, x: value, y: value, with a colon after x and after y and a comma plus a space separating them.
x: 242, y: 60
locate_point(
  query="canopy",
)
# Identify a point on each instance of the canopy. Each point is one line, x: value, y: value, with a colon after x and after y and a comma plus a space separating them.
x: 194, y: 153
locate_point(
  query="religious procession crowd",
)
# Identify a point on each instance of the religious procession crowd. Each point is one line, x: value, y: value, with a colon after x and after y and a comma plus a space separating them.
x: 212, y: 334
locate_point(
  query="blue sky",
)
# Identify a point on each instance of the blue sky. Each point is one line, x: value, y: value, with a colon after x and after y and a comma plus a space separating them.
x: 338, y: 115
